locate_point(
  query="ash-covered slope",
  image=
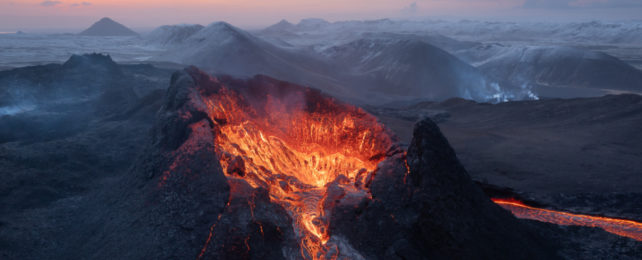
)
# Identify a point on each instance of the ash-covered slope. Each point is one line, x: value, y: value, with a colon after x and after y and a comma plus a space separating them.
x: 221, y: 48
x: 510, y: 55
x: 86, y: 120
x: 108, y: 27
x: 560, y: 67
x: 410, y: 69
x: 57, y: 83
x: 281, y: 29
x: 371, y: 70
x: 171, y: 35
x: 178, y: 202
x: 625, y: 33
x: 320, y: 35
x: 434, y: 212
x: 585, y: 150
x: 61, y: 98
x: 76, y: 196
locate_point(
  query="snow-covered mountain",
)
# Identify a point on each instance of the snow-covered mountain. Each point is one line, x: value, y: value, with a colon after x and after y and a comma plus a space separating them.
x: 377, y: 68
x: 221, y: 48
x: 519, y: 56
x: 381, y: 60
x: 172, y: 35
x: 594, y: 32
x: 407, y: 69
x: 560, y: 67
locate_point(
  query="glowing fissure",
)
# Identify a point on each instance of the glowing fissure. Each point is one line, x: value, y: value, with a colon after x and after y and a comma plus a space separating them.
x: 621, y: 227
x: 297, y: 146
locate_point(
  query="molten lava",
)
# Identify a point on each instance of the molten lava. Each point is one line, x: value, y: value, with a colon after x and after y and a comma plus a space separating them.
x: 620, y: 227
x: 305, y: 148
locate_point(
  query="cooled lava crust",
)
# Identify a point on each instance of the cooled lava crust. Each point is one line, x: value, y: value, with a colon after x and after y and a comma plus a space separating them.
x: 265, y: 169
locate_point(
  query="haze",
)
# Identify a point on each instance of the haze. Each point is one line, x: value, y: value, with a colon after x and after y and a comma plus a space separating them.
x: 38, y: 15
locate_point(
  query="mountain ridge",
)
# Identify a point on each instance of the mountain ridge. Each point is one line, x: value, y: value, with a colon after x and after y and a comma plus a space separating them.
x: 108, y: 27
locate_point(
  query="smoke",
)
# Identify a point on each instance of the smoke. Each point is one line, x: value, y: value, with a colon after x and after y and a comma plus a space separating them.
x: 522, y: 93
x: 50, y: 3
x: 16, y: 109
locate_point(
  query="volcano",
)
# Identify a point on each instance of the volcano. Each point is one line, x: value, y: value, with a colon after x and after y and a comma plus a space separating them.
x: 264, y: 169
x: 108, y: 27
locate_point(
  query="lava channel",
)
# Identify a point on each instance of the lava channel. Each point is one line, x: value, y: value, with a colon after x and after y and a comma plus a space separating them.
x: 296, y: 143
x: 621, y: 227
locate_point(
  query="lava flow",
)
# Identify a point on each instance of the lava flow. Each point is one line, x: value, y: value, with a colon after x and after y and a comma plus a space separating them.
x: 297, y: 144
x: 621, y: 227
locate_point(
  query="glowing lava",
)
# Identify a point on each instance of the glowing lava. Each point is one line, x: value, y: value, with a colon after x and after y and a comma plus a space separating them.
x: 622, y: 227
x: 300, y: 146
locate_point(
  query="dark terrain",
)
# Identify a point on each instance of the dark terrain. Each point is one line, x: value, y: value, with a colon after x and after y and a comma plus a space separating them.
x: 582, y: 154
x: 72, y: 186
x: 88, y: 119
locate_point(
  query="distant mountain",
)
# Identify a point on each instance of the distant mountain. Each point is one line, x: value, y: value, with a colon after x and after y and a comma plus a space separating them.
x: 312, y: 24
x: 629, y: 33
x: 561, y: 67
x: 56, y: 100
x: 320, y: 34
x: 410, y: 69
x: 170, y: 35
x: 282, y: 26
x: 363, y: 71
x: 221, y: 48
x: 108, y: 27
x: 594, y: 32
x: 59, y: 83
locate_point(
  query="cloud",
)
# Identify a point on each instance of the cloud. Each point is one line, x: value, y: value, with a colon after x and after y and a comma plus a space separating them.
x: 410, y: 9
x: 81, y: 4
x: 547, y: 3
x: 50, y: 3
x: 587, y: 2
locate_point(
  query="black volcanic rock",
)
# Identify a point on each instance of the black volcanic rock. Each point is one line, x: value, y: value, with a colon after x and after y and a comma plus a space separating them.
x: 83, y: 196
x: 80, y: 78
x: 108, y: 27
x: 434, y: 212
x: 73, y: 128
x: 78, y: 196
x: 564, y: 142
x: 84, y: 87
x: 178, y: 187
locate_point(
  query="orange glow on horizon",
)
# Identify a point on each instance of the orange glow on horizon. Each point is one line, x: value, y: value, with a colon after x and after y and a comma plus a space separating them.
x: 240, y: 13
x: 22, y: 14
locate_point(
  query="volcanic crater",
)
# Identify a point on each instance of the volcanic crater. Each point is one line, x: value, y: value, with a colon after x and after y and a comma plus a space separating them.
x: 265, y: 169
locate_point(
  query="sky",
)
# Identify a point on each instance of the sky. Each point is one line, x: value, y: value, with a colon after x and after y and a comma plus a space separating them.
x: 74, y: 15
